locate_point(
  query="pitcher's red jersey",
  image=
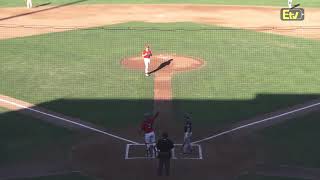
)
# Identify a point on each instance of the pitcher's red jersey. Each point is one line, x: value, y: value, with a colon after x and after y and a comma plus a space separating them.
x: 147, y: 54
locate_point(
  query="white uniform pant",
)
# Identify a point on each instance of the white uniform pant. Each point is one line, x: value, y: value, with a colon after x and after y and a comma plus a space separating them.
x: 29, y: 3
x: 187, y: 147
x: 149, y: 139
x: 146, y: 64
x: 290, y: 3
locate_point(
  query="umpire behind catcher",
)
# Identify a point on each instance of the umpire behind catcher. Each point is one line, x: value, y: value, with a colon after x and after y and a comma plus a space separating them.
x: 164, y: 146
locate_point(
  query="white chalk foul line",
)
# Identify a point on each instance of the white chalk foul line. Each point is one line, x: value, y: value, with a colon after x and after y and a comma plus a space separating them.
x: 69, y: 121
x: 257, y: 122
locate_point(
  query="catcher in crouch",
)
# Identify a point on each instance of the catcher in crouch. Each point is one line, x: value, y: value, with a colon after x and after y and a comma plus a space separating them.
x: 149, y: 135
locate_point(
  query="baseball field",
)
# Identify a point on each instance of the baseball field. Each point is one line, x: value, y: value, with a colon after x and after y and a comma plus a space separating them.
x: 73, y: 92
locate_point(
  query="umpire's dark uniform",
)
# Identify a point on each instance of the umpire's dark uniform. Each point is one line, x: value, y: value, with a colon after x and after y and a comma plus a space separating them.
x: 164, y: 145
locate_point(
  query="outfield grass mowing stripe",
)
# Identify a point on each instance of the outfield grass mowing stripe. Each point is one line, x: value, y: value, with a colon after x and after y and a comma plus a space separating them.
x: 69, y: 121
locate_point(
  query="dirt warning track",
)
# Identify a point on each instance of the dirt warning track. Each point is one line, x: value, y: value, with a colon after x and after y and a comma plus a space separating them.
x: 49, y: 19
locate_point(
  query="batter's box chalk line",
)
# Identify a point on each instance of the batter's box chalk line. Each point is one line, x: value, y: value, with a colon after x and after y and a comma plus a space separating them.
x: 137, y: 151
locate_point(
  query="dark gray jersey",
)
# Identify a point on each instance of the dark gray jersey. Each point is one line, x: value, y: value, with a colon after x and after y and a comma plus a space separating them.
x: 188, y: 127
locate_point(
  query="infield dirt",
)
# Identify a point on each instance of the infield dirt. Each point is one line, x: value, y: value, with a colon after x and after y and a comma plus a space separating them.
x: 262, y: 19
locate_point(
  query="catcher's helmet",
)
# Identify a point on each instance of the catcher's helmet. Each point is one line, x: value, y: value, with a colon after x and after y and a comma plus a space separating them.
x: 187, y: 116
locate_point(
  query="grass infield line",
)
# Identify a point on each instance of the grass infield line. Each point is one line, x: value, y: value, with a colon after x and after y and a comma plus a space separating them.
x: 257, y: 122
x: 69, y: 121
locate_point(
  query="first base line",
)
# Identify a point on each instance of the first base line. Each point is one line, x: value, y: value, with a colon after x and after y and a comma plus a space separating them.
x: 256, y: 122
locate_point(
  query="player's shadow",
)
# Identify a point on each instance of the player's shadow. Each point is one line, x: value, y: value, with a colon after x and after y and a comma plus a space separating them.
x: 42, y: 10
x: 161, y: 66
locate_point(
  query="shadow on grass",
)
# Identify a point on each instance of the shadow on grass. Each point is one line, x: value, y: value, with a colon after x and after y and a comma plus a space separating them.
x: 122, y: 117
x: 208, y: 115
x: 42, y: 10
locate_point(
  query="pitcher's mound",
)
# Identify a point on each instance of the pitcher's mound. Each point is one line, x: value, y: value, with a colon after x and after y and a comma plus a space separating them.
x: 164, y: 63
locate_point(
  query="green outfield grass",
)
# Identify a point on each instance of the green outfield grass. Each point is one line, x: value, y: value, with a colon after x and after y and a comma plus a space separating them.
x: 304, y: 3
x: 79, y: 73
x: 293, y: 143
x: 73, y: 176
x: 260, y: 177
x: 24, y: 138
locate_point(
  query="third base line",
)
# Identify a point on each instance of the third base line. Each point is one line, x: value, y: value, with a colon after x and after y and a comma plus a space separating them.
x: 67, y: 120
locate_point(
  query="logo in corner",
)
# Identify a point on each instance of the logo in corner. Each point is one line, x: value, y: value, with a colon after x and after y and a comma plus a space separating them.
x: 292, y: 13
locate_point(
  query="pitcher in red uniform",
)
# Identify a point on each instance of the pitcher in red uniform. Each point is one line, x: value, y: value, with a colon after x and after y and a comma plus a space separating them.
x: 149, y: 135
x: 146, y: 54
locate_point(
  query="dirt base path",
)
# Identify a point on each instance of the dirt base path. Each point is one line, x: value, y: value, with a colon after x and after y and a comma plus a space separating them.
x: 83, y: 16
